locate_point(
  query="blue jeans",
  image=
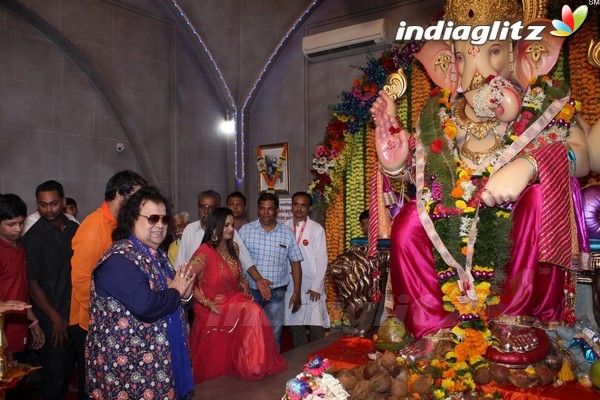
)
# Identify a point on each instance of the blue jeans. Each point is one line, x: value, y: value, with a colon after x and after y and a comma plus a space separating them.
x: 273, y: 308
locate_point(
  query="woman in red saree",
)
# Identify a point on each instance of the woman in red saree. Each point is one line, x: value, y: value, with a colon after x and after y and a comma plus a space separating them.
x: 231, y: 335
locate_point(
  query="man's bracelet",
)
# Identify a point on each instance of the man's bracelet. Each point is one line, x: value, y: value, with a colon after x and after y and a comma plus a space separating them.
x: 33, y: 324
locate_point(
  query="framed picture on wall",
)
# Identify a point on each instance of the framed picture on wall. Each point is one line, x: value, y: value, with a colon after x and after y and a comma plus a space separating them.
x: 272, y: 163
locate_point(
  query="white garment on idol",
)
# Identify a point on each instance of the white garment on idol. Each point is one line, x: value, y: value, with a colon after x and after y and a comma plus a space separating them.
x: 313, y: 246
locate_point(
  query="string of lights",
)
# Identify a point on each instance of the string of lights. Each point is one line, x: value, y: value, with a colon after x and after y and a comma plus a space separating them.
x: 239, y: 142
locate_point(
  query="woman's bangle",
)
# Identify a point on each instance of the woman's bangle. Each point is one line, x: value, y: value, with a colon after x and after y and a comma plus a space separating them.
x: 205, y: 302
x: 534, y: 164
x: 33, y: 324
x: 188, y: 299
x: 394, y: 174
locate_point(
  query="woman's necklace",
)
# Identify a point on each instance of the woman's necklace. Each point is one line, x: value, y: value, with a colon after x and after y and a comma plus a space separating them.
x: 478, y: 130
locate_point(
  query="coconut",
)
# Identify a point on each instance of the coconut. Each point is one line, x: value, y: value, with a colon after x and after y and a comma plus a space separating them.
x: 391, y: 330
x: 362, y: 390
x: 482, y: 376
x: 422, y: 385
x: 381, y: 382
x: 399, y: 388
x: 371, y: 369
x: 522, y: 379
x: 388, y: 360
x: 500, y: 374
x: 544, y: 374
x: 348, y: 380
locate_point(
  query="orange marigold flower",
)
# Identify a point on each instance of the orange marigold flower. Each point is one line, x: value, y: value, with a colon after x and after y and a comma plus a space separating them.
x: 450, y: 129
x: 457, y: 192
x: 463, y: 250
x: 449, y: 373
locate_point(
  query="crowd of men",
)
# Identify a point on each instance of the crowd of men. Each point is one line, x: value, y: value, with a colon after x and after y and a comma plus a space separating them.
x: 48, y: 258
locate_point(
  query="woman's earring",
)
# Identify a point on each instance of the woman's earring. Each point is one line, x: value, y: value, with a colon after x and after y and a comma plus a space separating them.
x: 214, y: 237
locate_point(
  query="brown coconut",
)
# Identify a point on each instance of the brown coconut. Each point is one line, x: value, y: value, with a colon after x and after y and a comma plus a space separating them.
x: 388, y: 360
x: 348, y: 380
x: 398, y: 369
x: 359, y: 371
x: 500, y: 374
x: 371, y: 369
x: 422, y: 385
x: 522, y: 379
x: 482, y: 376
x: 361, y: 391
x: 544, y: 374
x: 399, y: 388
x: 381, y: 382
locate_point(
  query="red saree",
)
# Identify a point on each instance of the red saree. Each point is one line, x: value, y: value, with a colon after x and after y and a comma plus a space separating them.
x: 238, y: 342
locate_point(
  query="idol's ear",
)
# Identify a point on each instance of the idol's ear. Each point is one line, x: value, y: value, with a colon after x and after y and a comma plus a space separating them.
x: 536, y: 57
x: 439, y: 62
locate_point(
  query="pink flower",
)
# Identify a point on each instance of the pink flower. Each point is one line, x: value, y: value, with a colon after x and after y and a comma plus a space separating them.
x: 520, y: 126
x: 121, y: 360
x: 148, y: 358
x: 123, y: 323
x: 527, y: 114
x: 148, y: 394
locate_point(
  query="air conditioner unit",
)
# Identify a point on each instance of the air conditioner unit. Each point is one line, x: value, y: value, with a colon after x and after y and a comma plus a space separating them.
x: 345, y: 41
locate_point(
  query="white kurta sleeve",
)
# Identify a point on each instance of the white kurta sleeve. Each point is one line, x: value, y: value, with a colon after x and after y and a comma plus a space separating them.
x: 185, y: 252
x: 320, y: 260
x: 245, y: 258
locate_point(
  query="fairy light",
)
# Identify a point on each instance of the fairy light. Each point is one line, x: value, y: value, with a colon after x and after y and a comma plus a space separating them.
x: 264, y: 70
x: 240, y: 143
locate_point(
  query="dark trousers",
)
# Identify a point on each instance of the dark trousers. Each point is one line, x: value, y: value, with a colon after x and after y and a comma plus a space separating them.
x: 299, y: 334
x: 78, y: 335
x: 57, y: 368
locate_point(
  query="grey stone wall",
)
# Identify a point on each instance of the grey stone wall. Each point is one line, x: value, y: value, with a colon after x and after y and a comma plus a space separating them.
x: 104, y: 72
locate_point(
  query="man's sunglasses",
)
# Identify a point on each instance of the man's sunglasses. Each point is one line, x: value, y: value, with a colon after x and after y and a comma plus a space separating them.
x: 154, y: 218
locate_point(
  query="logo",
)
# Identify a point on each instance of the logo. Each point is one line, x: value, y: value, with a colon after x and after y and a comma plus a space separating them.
x: 446, y: 30
x: 499, y: 30
x: 571, y: 21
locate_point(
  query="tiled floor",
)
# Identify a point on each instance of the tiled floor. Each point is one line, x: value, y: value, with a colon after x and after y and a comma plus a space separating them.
x: 270, y: 388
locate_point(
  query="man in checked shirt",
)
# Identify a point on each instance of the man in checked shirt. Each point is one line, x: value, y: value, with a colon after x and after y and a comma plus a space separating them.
x: 273, y: 247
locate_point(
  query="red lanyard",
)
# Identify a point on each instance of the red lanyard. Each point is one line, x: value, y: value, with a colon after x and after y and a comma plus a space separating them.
x: 301, y: 232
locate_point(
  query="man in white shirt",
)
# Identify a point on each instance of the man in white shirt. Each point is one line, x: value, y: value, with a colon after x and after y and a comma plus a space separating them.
x: 192, y: 235
x: 310, y: 237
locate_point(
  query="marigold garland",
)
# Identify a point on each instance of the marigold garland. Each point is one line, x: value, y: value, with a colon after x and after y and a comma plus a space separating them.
x: 355, y: 186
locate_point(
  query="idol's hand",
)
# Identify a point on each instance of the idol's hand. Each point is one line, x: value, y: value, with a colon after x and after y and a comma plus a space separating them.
x: 506, y: 185
x: 391, y: 141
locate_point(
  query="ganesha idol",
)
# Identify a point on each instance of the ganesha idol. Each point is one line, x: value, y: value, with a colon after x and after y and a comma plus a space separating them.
x: 485, y: 253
